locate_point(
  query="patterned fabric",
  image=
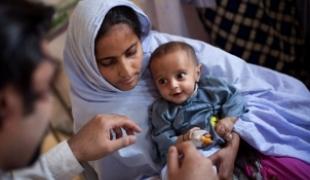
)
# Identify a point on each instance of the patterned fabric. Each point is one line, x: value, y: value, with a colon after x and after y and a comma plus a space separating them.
x: 250, y: 164
x: 247, y: 164
x: 264, y: 32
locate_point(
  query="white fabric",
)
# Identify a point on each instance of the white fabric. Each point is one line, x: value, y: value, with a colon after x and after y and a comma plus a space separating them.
x: 62, y: 162
x: 278, y: 121
x: 58, y: 163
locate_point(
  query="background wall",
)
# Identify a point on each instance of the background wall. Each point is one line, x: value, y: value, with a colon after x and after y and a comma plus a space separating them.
x: 173, y: 17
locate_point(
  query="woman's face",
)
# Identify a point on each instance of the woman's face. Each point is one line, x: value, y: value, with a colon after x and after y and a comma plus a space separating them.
x: 119, y: 57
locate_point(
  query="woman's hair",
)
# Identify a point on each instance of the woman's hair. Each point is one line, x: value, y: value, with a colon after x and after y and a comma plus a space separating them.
x: 118, y: 15
x: 172, y: 47
x: 23, y: 25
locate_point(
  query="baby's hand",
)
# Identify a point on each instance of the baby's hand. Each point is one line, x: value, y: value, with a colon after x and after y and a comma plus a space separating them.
x: 188, y: 135
x: 201, y: 138
x: 224, y: 127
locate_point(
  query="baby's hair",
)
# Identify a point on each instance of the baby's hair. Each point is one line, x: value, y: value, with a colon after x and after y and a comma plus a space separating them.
x: 172, y: 47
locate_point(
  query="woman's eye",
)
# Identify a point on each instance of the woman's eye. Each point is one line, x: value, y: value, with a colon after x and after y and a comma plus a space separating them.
x: 181, y: 75
x: 162, y: 81
x: 106, y: 62
x: 131, y: 52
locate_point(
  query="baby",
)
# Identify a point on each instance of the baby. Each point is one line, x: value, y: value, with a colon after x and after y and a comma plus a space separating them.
x: 202, y: 110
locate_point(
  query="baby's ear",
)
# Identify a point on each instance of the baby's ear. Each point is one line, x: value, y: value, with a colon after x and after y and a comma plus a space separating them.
x: 198, y: 69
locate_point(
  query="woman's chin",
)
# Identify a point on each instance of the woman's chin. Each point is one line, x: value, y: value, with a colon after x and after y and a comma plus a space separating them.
x: 128, y: 86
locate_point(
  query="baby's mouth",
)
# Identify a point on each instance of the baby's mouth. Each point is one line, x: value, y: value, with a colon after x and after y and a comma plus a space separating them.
x: 176, y: 94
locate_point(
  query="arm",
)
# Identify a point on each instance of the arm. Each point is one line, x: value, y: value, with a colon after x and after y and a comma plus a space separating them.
x: 229, y: 101
x: 221, y: 93
x: 224, y: 159
x: 192, y: 165
x: 90, y: 143
x: 57, y: 163
x: 162, y: 132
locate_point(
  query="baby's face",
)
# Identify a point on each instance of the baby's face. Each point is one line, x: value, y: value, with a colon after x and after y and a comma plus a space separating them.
x: 175, y: 75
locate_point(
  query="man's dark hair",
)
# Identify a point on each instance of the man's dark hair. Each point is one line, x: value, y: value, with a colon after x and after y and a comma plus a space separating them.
x: 22, y: 28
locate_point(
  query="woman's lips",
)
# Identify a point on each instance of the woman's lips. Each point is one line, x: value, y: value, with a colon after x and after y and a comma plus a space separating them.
x: 128, y: 81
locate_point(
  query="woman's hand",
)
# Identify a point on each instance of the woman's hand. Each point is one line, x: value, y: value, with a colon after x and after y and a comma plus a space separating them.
x: 94, y: 141
x: 224, y: 159
x: 185, y: 162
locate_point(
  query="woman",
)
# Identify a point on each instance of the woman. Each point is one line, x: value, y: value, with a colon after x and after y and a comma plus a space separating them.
x: 106, y: 58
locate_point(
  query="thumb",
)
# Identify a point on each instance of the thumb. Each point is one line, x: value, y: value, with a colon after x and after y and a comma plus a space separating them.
x: 228, y: 136
x: 122, y: 142
x: 173, y: 164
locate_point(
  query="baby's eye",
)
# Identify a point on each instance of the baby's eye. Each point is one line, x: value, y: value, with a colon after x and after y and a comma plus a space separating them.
x: 162, y: 81
x: 181, y: 75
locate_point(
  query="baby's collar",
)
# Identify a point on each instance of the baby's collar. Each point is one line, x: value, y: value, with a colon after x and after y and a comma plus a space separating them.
x: 195, y: 91
x: 193, y: 94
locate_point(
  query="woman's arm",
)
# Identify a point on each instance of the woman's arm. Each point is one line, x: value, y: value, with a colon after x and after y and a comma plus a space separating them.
x: 224, y: 159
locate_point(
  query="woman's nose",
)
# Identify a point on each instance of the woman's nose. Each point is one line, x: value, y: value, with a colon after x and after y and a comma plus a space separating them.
x: 125, y: 69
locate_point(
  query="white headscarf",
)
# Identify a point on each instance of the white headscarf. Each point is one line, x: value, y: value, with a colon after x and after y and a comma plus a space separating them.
x: 278, y: 121
x: 91, y: 94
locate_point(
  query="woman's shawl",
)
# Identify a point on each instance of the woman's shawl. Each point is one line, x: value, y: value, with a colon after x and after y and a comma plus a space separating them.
x: 277, y: 123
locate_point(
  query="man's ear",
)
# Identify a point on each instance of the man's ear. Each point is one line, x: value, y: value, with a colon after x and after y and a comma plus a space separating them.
x: 2, y: 107
x: 8, y: 104
x: 198, y: 70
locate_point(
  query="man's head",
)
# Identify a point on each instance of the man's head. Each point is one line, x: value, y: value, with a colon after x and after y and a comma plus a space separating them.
x: 175, y: 70
x: 26, y: 72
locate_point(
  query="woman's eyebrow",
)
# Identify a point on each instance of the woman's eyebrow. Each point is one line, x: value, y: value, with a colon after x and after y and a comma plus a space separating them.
x: 131, y: 46
x: 105, y: 58
x: 111, y: 57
